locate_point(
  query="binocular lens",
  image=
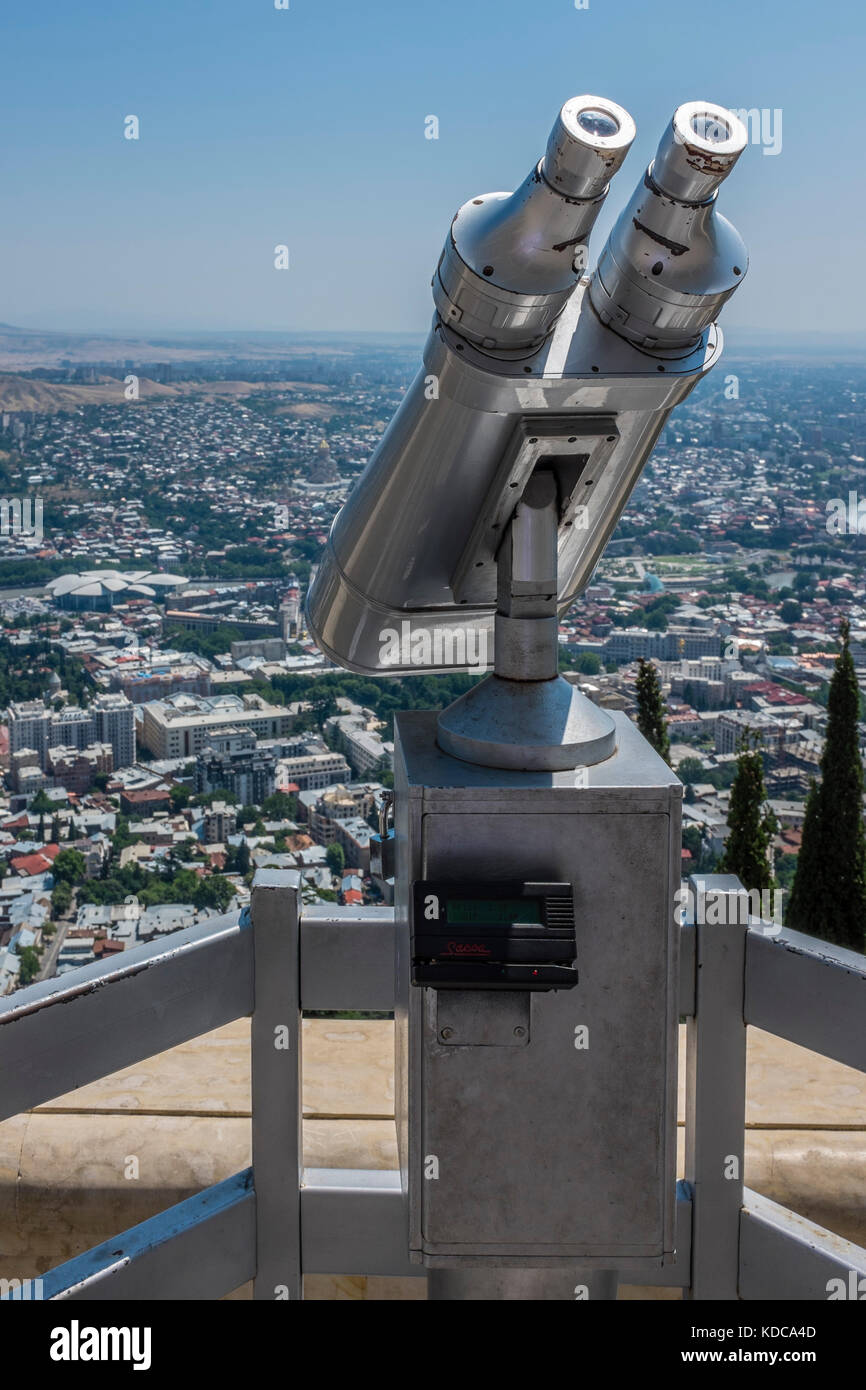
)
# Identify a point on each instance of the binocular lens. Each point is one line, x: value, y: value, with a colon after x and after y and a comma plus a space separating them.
x: 709, y: 127
x: 600, y: 123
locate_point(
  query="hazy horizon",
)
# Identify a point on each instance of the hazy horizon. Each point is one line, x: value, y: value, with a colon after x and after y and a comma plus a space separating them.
x: 739, y: 339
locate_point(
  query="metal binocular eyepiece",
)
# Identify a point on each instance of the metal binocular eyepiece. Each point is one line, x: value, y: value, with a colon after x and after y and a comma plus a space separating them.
x: 672, y: 261
x: 512, y: 260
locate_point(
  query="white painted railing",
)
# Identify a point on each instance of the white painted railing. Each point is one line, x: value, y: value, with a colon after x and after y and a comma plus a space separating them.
x: 277, y: 1221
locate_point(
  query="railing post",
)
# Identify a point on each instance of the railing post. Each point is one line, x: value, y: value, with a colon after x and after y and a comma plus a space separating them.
x: 716, y: 1087
x: 276, y: 1084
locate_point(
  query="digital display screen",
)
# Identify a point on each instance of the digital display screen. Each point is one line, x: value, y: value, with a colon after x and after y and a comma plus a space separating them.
x: 480, y: 911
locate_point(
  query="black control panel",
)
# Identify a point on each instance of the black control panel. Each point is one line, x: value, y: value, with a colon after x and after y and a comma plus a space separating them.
x: 493, y: 935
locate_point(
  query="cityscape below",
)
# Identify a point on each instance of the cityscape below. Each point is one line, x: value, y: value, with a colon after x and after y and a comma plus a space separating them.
x: 170, y: 724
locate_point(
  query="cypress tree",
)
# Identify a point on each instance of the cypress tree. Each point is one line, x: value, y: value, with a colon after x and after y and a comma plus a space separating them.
x: 828, y: 898
x: 751, y: 824
x: 650, y: 709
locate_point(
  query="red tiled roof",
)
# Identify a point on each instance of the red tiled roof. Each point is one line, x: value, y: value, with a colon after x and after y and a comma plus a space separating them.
x: 38, y: 863
x: 146, y: 796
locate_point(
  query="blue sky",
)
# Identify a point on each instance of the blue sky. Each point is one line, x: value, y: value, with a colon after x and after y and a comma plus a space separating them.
x: 306, y: 127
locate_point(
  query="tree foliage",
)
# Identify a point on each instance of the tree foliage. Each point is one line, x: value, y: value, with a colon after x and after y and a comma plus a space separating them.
x: 169, y: 884
x: 650, y: 709
x: 828, y: 898
x: 69, y: 866
x: 29, y: 968
x: 336, y: 858
x: 751, y: 825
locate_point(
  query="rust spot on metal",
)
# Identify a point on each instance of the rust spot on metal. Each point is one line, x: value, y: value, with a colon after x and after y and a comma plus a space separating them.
x: 705, y: 162
x: 561, y: 245
x: 675, y: 247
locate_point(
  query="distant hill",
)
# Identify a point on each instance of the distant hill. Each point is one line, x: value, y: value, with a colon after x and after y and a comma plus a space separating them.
x: 26, y: 393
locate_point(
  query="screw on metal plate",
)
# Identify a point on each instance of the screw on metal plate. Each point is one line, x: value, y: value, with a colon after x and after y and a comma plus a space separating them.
x: 520, y: 1032
x: 446, y: 1033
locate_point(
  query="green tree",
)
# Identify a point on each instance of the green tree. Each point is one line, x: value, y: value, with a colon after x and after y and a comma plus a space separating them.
x: 693, y: 841
x: 29, y: 969
x: 215, y: 892
x: 650, y: 709
x: 828, y: 898
x: 786, y: 869
x: 335, y: 858
x: 588, y: 663
x: 38, y: 806
x: 61, y: 898
x: 691, y: 770
x: 751, y: 824
x: 69, y: 866
x: 179, y: 796
x: 121, y: 837
x: 280, y: 806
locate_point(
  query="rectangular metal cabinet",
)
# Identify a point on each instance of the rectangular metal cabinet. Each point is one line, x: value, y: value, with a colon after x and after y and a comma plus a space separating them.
x: 540, y: 1127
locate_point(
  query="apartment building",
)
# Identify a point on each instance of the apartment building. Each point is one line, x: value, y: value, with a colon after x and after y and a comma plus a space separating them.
x: 110, y: 719
x: 219, y: 822
x: 29, y: 727
x: 677, y: 643
x: 76, y: 768
x: 249, y: 773
x: 114, y: 715
x: 310, y: 764
x: 357, y: 733
x: 775, y: 735
x: 184, y: 725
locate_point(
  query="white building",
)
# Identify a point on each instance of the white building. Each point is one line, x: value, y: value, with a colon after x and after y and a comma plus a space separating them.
x: 183, y: 725
x: 115, y: 724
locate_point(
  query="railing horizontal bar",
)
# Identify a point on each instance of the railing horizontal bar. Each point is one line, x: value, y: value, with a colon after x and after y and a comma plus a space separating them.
x: 354, y: 1222
x: 808, y: 992
x: 784, y: 1256
x: 63, y: 1033
x: 347, y: 959
x: 202, y: 1248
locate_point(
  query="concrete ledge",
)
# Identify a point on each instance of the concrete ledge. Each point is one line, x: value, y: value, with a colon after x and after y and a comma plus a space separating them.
x: 86, y: 1166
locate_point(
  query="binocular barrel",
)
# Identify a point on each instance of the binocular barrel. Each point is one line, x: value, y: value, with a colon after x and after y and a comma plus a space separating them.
x: 512, y: 260
x: 671, y: 262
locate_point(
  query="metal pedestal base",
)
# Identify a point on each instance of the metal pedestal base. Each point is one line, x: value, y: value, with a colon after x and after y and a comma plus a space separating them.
x: 521, y: 1285
x: 526, y: 726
